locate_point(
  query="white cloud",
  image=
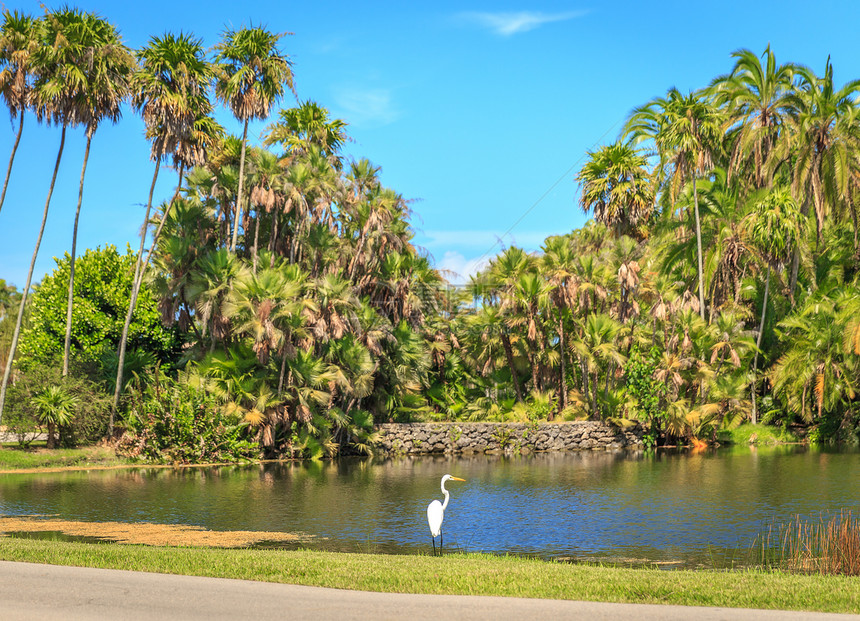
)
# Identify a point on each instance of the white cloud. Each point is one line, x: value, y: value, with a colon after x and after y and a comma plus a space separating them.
x: 456, y: 268
x: 365, y: 107
x: 507, y: 24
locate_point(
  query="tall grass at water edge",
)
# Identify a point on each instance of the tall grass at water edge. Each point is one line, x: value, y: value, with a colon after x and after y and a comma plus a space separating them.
x: 828, y: 545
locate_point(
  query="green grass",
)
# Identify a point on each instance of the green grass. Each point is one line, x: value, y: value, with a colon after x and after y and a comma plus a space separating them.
x: 13, y: 457
x: 464, y: 574
x: 757, y: 434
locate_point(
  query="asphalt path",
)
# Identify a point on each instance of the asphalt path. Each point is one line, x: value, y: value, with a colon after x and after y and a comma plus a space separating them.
x: 31, y: 591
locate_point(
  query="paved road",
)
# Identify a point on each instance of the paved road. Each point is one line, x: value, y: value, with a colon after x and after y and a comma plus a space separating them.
x: 29, y: 591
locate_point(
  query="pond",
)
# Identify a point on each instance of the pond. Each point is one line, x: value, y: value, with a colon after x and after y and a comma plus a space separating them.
x: 674, y: 509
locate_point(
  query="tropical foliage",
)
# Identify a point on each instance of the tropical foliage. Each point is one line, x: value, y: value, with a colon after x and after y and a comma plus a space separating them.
x: 717, y: 283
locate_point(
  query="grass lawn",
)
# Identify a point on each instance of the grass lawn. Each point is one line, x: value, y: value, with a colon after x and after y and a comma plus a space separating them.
x: 14, y: 457
x: 464, y: 574
x: 757, y: 434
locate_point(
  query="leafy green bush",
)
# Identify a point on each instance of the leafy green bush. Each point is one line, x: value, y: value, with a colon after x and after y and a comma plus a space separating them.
x: 102, y: 290
x: 646, y: 391
x: 170, y: 421
x: 88, y: 417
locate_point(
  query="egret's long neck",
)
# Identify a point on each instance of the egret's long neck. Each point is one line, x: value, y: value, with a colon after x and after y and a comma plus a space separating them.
x: 447, y: 497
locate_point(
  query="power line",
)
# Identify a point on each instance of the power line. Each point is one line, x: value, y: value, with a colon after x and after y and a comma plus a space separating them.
x: 545, y: 194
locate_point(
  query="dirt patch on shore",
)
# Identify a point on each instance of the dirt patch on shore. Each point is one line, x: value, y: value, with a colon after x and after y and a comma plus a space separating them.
x: 148, y: 534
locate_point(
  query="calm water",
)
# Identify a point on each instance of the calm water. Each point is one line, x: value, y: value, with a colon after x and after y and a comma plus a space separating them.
x: 702, y: 509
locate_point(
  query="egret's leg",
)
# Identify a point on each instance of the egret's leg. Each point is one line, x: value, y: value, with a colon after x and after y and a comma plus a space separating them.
x: 441, y: 541
x: 433, y: 539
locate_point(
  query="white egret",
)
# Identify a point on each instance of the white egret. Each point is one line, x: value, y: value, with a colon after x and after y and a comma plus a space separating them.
x: 436, y: 512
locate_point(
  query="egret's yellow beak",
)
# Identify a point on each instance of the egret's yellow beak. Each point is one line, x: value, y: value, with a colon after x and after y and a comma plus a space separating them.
x: 458, y: 479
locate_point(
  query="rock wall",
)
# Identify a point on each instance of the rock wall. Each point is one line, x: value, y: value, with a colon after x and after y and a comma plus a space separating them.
x: 468, y: 438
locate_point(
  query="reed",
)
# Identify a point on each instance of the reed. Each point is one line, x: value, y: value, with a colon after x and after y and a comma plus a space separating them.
x: 829, y: 545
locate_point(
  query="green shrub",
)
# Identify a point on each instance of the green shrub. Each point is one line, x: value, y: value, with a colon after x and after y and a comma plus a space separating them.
x: 171, y: 421
x: 88, y: 416
x: 102, y: 288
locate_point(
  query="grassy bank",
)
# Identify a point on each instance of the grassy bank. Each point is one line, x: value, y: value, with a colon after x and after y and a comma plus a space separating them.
x: 757, y: 434
x: 461, y: 574
x: 14, y: 457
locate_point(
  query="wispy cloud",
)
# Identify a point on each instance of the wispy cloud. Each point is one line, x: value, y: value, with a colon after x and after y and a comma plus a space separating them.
x: 364, y: 107
x: 457, y: 269
x: 506, y: 24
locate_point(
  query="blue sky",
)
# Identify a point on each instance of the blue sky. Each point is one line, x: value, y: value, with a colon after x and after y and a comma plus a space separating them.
x: 480, y: 112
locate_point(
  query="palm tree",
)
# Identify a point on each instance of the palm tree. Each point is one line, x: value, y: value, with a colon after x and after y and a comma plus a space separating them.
x: 773, y: 230
x: 305, y: 126
x: 251, y: 76
x: 55, y: 407
x: 597, y: 347
x: 815, y: 371
x: 258, y: 303
x: 213, y: 278
x: 266, y: 192
x: 503, y: 273
x: 169, y: 91
x: 558, y: 265
x: 19, y: 38
x: 757, y: 97
x: 106, y: 65
x: 686, y: 131
x: 54, y: 97
x: 617, y: 186
x: 824, y: 140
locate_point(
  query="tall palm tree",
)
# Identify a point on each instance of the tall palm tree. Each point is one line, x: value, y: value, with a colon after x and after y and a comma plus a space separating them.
x: 598, y: 348
x: 266, y: 193
x: 687, y: 132
x: 55, y: 98
x: 617, y: 186
x: 504, y: 272
x: 261, y: 304
x: 774, y: 230
x: 170, y: 92
x: 306, y: 125
x: 251, y: 75
x: 558, y: 266
x: 815, y: 370
x: 106, y: 65
x: 825, y: 139
x: 756, y: 95
x: 19, y: 38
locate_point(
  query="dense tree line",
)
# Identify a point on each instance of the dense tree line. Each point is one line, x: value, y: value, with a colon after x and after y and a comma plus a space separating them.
x: 717, y: 283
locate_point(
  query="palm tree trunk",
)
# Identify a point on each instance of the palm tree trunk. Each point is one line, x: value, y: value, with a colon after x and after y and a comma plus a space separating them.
x: 134, y: 289
x: 161, y: 224
x: 11, y: 357
x: 241, y: 183
x: 795, y: 261
x: 52, y: 443
x: 583, y: 365
x: 67, y: 345
x: 699, y: 251
x: 758, y: 346
x: 562, y: 379
x: 274, y: 238
x: 138, y: 279
x: 256, y: 236
x: 509, y: 356
x: 281, y: 376
x: 12, y: 157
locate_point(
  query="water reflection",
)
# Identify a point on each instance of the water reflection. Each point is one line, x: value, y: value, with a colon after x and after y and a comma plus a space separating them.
x: 703, y: 508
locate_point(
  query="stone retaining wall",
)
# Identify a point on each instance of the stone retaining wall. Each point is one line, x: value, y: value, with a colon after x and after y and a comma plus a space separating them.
x: 466, y: 438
